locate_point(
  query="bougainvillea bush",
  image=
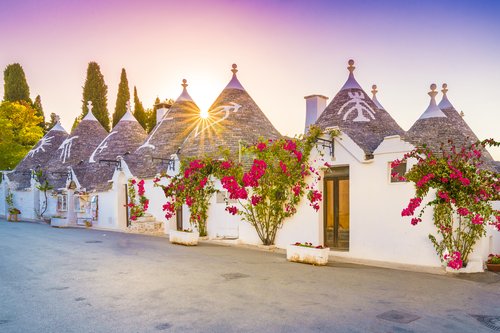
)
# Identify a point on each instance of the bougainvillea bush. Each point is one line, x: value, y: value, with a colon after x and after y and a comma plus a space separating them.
x: 137, y: 206
x: 264, y: 192
x: 194, y: 187
x: 464, y: 188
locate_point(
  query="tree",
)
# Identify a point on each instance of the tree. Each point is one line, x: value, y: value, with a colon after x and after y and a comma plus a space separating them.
x: 54, y: 118
x: 15, y: 87
x: 37, y: 105
x: 461, y: 190
x: 75, y: 123
x: 139, y: 112
x: 122, y: 98
x: 267, y: 194
x: 151, y: 114
x: 96, y: 90
x: 20, y: 132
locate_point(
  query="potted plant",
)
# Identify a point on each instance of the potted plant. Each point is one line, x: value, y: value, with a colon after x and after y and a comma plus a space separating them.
x: 13, y: 214
x: 493, y: 263
x: 58, y: 221
x: 88, y: 223
x: 307, y: 253
x: 186, y: 237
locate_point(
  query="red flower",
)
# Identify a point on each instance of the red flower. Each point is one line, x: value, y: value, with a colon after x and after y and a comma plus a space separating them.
x: 283, y: 167
x: 415, y: 220
x: 261, y: 146
x: 255, y: 200
x: 477, y: 219
x: 189, y: 201
x: 296, y: 190
x: 226, y: 165
x: 463, y: 211
x: 290, y: 145
x: 232, y: 210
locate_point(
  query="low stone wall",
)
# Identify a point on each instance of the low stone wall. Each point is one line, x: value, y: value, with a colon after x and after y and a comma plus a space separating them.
x: 146, y: 225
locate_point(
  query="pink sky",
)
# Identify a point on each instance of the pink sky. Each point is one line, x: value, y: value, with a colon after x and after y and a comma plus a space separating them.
x: 285, y: 50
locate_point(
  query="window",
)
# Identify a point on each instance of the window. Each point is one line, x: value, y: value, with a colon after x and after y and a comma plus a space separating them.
x: 61, y: 203
x: 400, y: 170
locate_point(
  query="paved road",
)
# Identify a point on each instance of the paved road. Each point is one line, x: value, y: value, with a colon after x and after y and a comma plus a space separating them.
x: 78, y: 280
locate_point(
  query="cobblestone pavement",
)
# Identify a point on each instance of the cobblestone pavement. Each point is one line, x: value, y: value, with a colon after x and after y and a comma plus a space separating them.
x: 80, y: 280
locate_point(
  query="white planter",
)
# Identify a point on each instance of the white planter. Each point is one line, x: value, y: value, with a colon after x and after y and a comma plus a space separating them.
x: 184, y: 238
x: 475, y: 265
x: 307, y: 255
x: 59, y: 222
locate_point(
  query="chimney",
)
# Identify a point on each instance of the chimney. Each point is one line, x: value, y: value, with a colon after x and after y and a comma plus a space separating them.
x: 315, y: 105
x: 162, y: 109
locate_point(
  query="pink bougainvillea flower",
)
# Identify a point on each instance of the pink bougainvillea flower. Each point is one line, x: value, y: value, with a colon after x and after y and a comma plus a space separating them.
x: 255, y: 199
x: 298, y: 154
x: 290, y: 145
x: 462, y: 211
x: 283, y: 166
x: 226, y: 165
x: 415, y: 220
x: 477, y: 219
x: 232, y: 210
x: 189, y: 201
x: 261, y: 146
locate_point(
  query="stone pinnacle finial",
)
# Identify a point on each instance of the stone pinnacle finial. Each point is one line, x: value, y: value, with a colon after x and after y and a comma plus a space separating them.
x: 433, y: 91
x: 89, y: 106
x: 235, y: 69
x: 57, y: 118
x: 184, y: 83
x: 351, y: 67
x: 128, y: 106
x: 374, y: 90
x: 445, y: 89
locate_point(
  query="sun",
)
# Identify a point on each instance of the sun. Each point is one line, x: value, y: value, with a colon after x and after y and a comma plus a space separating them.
x: 204, y: 114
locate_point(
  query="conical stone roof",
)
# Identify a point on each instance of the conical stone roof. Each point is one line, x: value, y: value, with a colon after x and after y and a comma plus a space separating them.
x: 76, y: 148
x: 167, y: 136
x: 38, y: 156
x: 354, y: 113
x: 443, y: 126
x: 234, y: 117
x: 123, y: 140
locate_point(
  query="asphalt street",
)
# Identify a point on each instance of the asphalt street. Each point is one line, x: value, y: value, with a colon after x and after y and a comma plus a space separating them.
x: 81, y: 280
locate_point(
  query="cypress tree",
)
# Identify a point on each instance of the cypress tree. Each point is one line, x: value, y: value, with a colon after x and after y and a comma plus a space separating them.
x: 15, y: 85
x: 152, y: 115
x: 139, y: 112
x: 122, y: 98
x: 95, y: 90
x: 53, y: 121
x: 37, y: 105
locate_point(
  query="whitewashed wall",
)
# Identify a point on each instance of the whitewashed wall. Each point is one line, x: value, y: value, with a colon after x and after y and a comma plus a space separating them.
x: 494, y: 234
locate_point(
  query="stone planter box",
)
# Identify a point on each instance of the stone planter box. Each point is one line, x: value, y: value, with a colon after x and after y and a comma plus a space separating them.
x: 493, y: 267
x: 184, y: 238
x: 59, y: 222
x: 307, y: 255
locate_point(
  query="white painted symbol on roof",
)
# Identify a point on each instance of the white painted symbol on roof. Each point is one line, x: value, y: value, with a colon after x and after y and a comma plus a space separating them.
x: 103, y: 145
x: 44, y: 142
x: 149, y: 145
x: 223, y: 109
x: 359, y: 106
x: 66, y: 148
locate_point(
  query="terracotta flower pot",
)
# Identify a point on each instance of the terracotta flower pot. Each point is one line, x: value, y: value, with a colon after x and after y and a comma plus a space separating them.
x: 493, y: 267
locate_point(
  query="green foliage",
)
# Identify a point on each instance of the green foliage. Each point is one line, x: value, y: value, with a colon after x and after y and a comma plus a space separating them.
x: 139, y: 112
x: 122, y: 98
x: 96, y: 90
x: 15, y: 87
x: 76, y: 122
x: 43, y: 185
x: 462, y: 204
x: 267, y: 194
x: 53, y: 121
x: 37, y: 105
x: 20, y: 132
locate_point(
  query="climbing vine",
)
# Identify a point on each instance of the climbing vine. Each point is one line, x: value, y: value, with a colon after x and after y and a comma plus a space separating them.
x: 264, y: 192
x: 464, y: 189
x: 137, y: 206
